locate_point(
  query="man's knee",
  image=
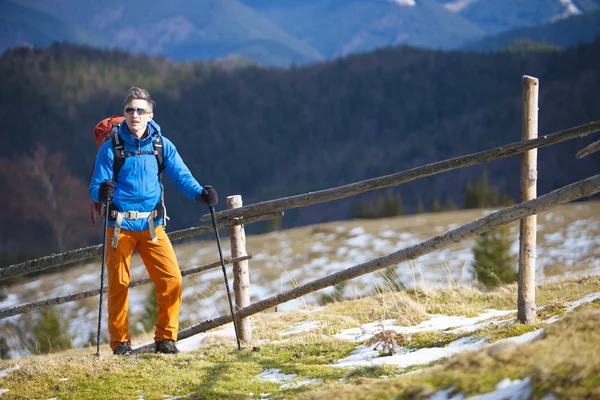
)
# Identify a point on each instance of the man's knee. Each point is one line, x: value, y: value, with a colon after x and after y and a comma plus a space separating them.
x: 169, y: 283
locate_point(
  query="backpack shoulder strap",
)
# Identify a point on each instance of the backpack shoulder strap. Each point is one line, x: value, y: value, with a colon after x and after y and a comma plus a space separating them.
x: 118, y: 150
x: 159, y: 152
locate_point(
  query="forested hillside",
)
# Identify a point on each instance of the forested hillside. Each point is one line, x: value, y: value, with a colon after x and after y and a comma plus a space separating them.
x: 269, y: 132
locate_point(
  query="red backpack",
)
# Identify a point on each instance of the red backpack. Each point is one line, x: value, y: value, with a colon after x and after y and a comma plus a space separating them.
x: 107, y: 130
x: 103, y: 131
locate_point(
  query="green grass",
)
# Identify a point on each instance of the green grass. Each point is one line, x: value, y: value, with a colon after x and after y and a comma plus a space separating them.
x: 563, y: 362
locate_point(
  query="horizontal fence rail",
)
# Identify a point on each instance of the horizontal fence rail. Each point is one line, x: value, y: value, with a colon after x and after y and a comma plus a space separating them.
x: 353, y: 189
x: 592, y: 148
x: 28, y: 307
x: 39, y: 264
x: 566, y: 194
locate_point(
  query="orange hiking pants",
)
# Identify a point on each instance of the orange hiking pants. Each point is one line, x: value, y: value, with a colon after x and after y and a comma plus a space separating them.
x: 161, y: 264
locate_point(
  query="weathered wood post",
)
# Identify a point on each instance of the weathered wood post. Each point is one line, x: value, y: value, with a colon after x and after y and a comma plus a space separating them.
x: 241, y: 277
x: 527, y: 238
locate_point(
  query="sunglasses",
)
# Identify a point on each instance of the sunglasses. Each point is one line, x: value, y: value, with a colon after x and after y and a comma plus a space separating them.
x: 140, y: 111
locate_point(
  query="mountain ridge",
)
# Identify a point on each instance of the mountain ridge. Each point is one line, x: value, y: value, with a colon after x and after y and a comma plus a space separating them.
x: 274, y: 33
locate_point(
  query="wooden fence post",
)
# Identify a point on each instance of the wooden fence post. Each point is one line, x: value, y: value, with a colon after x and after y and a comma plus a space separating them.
x: 527, y: 238
x: 241, y: 277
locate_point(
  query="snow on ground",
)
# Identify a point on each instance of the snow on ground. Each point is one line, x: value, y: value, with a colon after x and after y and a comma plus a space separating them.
x: 282, y: 261
x: 365, y: 356
x: 371, y: 355
x: 5, y: 372
x: 437, y: 322
x: 300, y: 327
x: 572, y: 305
x: 288, y: 381
x: 505, y: 390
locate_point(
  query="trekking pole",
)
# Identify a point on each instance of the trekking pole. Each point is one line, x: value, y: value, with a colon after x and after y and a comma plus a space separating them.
x: 106, y: 203
x: 214, y: 222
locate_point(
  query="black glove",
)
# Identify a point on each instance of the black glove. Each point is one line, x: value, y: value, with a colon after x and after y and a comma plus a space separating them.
x: 209, y: 196
x: 107, y: 191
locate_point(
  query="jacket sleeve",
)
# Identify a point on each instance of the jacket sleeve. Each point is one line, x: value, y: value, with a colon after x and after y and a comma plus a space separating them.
x: 179, y: 172
x: 103, y: 169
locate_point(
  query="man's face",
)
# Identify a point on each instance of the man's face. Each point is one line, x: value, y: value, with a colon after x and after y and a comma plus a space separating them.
x: 137, y: 115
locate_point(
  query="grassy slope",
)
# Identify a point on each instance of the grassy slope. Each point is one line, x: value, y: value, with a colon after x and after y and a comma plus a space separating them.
x: 218, y: 371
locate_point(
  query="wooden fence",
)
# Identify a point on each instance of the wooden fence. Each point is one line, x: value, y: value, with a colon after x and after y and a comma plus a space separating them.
x: 239, y: 216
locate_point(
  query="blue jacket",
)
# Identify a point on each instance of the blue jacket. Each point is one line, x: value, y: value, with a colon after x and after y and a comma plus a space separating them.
x: 138, y: 187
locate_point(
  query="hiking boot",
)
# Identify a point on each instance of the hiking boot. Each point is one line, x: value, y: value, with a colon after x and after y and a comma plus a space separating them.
x: 124, y: 349
x: 166, y: 347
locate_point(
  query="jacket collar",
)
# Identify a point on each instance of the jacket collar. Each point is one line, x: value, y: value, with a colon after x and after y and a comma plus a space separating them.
x: 127, y: 136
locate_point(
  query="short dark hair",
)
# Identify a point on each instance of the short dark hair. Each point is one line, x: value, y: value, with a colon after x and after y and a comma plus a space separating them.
x: 136, y: 93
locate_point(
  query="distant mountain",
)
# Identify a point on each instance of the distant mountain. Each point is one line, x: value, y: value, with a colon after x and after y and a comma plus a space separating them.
x: 273, y: 32
x: 182, y: 29
x: 21, y: 25
x: 494, y: 16
x: 341, y: 27
x: 565, y: 32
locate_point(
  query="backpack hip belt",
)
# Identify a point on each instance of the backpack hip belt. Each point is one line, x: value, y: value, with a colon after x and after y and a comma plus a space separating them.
x: 118, y: 216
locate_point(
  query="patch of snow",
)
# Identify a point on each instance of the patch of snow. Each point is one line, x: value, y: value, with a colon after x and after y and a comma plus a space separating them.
x: 11, y: 300
x: 571, y: 8
x: 299, y: 327
x: 5, y: 372
x: 365, y: 356
x: 360, y: 241
x: 2, y: 391
x: 458, y: 5
x: 445, y: 395
x: 524, y: 338
x: 275, y: 375
x: 358, y: 230
x: 572, y: 305
x: 179, y: 397
x: 405, y: 3
x: 197, y: 341
x: 585, y: 299
x: 341, y: 251
x: 35, y: 284
x: 292, y: 385
x: 505, y: 390
x: 508, y: 390
x: 320, y: 248
x: 436, y: 322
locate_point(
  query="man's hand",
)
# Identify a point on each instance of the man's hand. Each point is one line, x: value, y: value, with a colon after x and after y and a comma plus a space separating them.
x: 209, y: 196
x: 107, y: 191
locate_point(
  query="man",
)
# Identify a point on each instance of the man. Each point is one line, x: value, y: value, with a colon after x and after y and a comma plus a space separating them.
x: 136, y: 219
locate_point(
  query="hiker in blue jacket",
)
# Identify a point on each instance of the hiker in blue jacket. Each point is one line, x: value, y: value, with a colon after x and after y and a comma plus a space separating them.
x: 137, y: 217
